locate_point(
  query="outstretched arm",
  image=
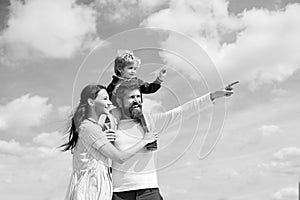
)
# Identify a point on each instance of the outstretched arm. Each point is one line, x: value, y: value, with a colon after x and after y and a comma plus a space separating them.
x: 149, y: 88
x: 187, y: 109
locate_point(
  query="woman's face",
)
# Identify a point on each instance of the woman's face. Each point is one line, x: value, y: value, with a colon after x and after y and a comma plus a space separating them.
x: 102, y: 103
x: 129, y: 71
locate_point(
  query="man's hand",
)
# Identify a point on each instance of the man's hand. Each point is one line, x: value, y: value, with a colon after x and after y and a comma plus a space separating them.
x: 150, y: 137
x: 227, y: 91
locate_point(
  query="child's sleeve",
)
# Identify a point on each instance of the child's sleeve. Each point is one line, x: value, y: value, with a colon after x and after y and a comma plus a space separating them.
x: 110, y: 88
x: 149, y: 88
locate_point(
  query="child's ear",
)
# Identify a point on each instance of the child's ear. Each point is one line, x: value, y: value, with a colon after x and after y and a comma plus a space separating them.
x: 120, y: 71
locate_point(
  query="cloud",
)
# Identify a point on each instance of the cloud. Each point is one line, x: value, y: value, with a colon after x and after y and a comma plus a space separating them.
x: 150, y: 105
x: 286, y: 194
x: 285, y: 161
x: 121, y: 11
x: 257, y: 46
x: 267, y: 49
x: 11, y: 147
x: 15, y: 148
x: 53, y: 139
x: 288, y: 153
x: 64, y: 111
x: 269, y: 130
x: 24, y: 112
x: 206, y: 22
x: 51, y: 29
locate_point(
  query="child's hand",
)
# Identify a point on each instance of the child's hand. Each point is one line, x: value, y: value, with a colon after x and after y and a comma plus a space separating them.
x: 162, y: 73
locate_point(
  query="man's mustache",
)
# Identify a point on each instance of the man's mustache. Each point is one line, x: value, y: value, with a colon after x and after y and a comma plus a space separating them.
x: 136, y: 104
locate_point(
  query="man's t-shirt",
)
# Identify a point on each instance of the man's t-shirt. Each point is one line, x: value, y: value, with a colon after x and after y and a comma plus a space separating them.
x: 139, y: 172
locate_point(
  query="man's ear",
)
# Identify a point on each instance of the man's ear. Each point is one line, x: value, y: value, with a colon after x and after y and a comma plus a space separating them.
x: 91, y: 102
x: 119, y: 102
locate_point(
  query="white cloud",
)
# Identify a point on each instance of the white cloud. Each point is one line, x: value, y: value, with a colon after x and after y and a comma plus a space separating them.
x: 269, y: 130
x: 288, y: 153
x: 52, y: 29
x: 285, y: 161
x: 206, y: 22
x: 286, y: 194
x: 267, y: 50
x: 64, y: 111
x: 14, y: 148
x: 24, y: 112
x: 120, y: 11
x: 53, y: 139
x: 11, y: 148
x: 151, y: 5
x: 266, y: 46
x: 150, y: 105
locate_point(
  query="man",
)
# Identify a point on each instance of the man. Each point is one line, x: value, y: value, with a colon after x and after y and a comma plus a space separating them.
x: 137, y: 178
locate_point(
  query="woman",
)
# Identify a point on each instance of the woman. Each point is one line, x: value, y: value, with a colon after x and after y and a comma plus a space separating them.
x: 91, y: 179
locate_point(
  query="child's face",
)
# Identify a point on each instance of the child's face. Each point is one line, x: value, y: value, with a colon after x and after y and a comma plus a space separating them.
x: 129, y: 71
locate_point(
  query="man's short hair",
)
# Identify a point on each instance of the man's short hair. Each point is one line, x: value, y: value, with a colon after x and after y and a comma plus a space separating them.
x: 130, y: 84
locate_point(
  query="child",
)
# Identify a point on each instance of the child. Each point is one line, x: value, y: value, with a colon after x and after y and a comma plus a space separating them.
x: 125, y: 68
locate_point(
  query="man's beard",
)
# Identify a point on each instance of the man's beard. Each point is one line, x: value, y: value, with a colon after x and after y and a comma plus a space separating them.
x: 135, y: 110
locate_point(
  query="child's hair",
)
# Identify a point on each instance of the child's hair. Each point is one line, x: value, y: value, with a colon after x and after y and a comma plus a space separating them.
x: 130, y: 84
x: 123, y: 59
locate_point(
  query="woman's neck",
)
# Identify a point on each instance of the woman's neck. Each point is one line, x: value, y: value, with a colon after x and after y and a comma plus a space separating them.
x: 93, y: 116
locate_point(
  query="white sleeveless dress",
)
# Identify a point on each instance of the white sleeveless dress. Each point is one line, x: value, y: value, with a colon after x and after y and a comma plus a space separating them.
x: 91, y: 179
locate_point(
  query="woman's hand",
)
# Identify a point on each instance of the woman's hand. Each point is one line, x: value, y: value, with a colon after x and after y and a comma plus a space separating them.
x: 110, y: 135
x: 150, y: 137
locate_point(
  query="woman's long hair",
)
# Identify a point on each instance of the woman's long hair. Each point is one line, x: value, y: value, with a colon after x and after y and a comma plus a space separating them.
x: 89, y: 92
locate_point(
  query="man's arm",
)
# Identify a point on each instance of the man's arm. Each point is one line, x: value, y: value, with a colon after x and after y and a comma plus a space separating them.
x: 162, y: 121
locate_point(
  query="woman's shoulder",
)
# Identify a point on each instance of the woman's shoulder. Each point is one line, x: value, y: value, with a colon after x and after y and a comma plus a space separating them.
x: 87, y: 125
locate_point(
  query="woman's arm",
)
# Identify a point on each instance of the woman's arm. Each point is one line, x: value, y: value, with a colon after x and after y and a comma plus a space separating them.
x: 116, y: 155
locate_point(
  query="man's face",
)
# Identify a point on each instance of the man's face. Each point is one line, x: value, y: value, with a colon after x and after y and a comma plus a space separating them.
x: 132, y: 103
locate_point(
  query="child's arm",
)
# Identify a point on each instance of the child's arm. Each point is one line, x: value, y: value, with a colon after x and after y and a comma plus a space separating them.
x: 148, y: 88
x: 112, y: 85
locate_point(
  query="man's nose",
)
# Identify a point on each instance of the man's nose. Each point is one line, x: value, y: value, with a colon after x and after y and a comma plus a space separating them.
x: 137, y: 99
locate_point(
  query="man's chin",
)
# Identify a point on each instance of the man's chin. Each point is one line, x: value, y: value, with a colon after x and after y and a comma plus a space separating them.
x: 135, y: 112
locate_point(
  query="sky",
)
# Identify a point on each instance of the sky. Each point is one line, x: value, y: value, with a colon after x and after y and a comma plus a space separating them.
x: 241, y: 148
